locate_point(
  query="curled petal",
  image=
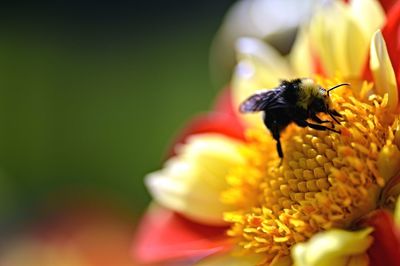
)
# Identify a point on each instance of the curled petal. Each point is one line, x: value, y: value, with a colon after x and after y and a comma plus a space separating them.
x: 332, y: 248
x: 191, y: 182
x: 382, y: 70
x: 163, y: 235
x: 389, y: 161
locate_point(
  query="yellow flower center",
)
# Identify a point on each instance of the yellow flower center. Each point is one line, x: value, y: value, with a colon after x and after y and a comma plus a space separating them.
x: 326, y: 180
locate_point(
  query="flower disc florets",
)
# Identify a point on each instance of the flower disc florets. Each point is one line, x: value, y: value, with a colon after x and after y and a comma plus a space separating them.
x: 326, y: 180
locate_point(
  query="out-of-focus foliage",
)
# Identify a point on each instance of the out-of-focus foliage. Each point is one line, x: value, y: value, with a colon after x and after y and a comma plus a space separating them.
x: 90, y: 95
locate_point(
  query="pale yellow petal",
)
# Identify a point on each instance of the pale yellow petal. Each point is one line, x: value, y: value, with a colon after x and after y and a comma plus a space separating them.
x: 331, y: 248
x: 355, y: 45
x: 340, y: 37
x: 327, y: 29
x: 300, y: 56
x: 368, y: 14
x: 259, y: 66
x: 192, y: 181
x: 382, y: 70
x: 272, y: 21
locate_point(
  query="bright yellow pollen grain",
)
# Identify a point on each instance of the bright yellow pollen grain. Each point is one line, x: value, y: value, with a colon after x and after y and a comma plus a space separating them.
x: 326, y: 179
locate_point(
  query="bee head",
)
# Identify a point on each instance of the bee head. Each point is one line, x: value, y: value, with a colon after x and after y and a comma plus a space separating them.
x: 321, y: 101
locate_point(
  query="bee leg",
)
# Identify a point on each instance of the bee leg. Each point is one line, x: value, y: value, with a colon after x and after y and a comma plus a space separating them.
x: 279, y: 148
x: 314, y: 117
x: 276, y: 135
x: 303, y: 123
x: 335, y: 113
x: 321, y: 127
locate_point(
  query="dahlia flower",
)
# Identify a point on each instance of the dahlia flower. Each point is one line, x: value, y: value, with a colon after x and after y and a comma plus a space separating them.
x: 224, y: 196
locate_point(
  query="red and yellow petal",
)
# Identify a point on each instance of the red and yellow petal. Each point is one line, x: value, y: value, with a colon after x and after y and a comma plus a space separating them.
x: 164, y: 235
x: 223, y: 119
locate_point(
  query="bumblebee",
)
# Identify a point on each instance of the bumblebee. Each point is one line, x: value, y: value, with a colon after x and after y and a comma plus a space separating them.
x: 297, y: 101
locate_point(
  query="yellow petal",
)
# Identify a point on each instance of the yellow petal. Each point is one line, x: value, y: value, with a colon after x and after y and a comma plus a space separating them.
x: 382, y: 70
x: 192, y: 181
x: 331, y: 248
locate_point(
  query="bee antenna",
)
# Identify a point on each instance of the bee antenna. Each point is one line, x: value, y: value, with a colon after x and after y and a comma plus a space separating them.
x: 337, y: 86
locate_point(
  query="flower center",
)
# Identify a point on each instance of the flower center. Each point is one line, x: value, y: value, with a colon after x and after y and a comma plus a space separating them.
x: 326, y: 179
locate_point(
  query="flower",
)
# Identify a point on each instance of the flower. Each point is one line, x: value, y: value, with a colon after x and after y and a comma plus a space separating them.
x: 330, y: 188
x: 266, y: 20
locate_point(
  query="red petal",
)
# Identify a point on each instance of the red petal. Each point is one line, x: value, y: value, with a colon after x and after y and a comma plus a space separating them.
x: 385, y: 250
x: 391, y: 34
x: 387, y: 5
x: 224, y: 103
x: 223, y: 120
x: 164, y: 235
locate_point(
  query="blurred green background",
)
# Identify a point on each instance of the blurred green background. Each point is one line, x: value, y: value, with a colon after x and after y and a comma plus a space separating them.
x: 92, y: 94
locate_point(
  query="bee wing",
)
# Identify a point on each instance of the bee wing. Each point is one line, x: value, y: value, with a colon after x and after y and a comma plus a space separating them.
x: 265, y: 99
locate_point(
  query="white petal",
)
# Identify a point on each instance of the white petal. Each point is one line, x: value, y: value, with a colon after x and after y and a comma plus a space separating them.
x: 382, y: 70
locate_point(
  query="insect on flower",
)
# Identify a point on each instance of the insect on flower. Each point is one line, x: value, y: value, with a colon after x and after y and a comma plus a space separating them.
x: 292, y: 101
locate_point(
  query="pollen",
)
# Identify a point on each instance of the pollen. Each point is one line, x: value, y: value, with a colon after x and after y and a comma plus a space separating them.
x: 326, y: 179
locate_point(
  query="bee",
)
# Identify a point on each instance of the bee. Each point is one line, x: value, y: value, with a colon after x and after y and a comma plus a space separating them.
x: 297, y: 101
